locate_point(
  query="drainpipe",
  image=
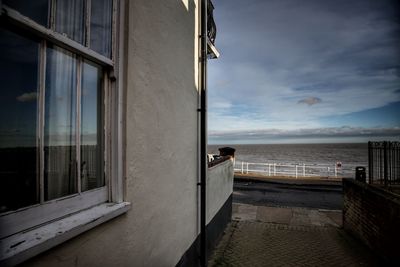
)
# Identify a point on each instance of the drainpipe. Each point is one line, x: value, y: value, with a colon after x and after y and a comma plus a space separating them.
x: 203, y: 131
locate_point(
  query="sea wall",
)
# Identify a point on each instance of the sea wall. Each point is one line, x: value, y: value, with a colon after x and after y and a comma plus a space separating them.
x: 373, y: 215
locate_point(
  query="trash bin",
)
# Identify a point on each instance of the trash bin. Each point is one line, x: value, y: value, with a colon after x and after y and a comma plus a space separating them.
x: 227, y: 151
x: 360, y: 174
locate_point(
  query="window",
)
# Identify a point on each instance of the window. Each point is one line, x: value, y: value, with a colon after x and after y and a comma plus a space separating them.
x: 55, y: 110
x: 18, y: 120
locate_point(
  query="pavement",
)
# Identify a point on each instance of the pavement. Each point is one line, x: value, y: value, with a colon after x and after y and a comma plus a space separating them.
x: 288, y: 194
x: 310, y: 181
x: 288, y: 236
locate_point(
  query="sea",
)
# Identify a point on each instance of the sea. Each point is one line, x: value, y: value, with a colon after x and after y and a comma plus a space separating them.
x: 348, y: 156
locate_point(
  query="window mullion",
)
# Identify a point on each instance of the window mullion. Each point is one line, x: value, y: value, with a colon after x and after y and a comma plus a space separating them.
x: 41, y: 110
x: 53, y: 4
x: 78, y: 123
x: 107, y: 133
x: 114, y: 29
x: 87, y: 22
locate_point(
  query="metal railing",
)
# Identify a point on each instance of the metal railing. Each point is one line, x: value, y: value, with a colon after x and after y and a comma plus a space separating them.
x: 290, y: 170
x: 384, y: 162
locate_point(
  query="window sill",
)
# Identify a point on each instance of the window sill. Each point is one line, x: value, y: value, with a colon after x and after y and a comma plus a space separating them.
x: 22, y: 246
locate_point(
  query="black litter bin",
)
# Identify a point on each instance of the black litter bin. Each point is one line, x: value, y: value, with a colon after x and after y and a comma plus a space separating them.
x: 360, y: 174
x: 227, y: 151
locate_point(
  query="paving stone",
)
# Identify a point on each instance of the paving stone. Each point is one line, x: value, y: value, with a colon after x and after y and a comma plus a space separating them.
x: 244, y: 212
x: 257, y: 243
x: 273, y: 214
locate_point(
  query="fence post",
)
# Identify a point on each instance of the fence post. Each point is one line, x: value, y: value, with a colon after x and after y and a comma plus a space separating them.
x: 274, y: 169
x: 304, y: 170
x: 296, y: 171
x: 329, y: 170
x: 335, y: 171
x: 370, y: 158
x: 242, y: 166
x: 247, y: 167
x: 269, y: 169
x: 385, y: 164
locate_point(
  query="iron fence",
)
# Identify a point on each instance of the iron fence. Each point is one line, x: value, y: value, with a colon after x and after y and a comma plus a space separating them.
x: 384, y: 162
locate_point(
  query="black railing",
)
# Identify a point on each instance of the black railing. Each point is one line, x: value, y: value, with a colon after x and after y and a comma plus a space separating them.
x: 211, y: 27
x: 384, y: 163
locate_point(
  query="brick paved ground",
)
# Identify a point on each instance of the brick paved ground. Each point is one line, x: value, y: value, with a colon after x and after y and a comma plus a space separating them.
x: 295, y: 241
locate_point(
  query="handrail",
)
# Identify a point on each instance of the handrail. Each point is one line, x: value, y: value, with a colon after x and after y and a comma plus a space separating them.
x: 291, y: 170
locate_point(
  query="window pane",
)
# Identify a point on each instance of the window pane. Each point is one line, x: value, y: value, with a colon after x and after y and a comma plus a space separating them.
x: 37, y: 10
x: 91, y: 127
x: 18, y: 121
x: 60, y: 124
x: 70, y: 18
x: 100, y: 26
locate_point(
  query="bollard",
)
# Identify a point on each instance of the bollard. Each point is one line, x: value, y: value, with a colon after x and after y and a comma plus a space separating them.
x: 360, y: 174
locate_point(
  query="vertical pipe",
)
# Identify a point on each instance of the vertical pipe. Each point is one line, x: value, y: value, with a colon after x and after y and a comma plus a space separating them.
x: 203, y: 129
x: 242, y: 166
x: 247, y: 167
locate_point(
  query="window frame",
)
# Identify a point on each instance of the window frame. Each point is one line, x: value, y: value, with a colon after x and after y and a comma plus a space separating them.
x: 13, y: 222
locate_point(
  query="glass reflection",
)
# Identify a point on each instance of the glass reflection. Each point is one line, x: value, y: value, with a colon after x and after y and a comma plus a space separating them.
x: 60, y: 124
x: 100, y: 26
x: 18, y: 121
x: 70, y: 18
x: 37, y: 10
x: 92, y: 175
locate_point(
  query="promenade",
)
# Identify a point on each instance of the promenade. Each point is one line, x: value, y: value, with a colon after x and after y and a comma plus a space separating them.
x: 276, y: 236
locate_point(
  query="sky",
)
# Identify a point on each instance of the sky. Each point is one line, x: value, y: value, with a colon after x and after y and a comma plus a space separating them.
x: 306, y: 71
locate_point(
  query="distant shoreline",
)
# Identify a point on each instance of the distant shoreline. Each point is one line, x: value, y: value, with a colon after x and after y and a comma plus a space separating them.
x: 280, y: 144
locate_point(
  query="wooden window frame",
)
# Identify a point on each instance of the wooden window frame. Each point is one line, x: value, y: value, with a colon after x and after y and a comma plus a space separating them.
x: 30, y: 217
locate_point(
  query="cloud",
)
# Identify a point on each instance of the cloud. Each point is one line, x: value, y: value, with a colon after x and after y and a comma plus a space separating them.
x: 310, y: 101
x: 275, y: 53
x: 307, y: 133
x: 27, y: 97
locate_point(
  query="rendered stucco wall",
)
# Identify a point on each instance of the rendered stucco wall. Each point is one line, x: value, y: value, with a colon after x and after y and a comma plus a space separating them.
x: 162, y: 131
x: 161, y: 147
x: 219, y: 187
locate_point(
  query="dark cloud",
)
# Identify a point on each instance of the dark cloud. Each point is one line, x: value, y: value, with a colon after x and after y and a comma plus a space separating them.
x: 344, y: 131
x: 310, y: 101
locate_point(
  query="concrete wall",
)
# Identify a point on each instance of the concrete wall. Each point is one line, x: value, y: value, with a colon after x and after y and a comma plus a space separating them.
x: 373, y: 215
x: 161, y: 147
x: 219, y: 187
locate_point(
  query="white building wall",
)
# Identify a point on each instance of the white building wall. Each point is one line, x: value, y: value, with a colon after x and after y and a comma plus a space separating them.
x: 161, y: 147
x: 219, y: 187
x: 162, y: 130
